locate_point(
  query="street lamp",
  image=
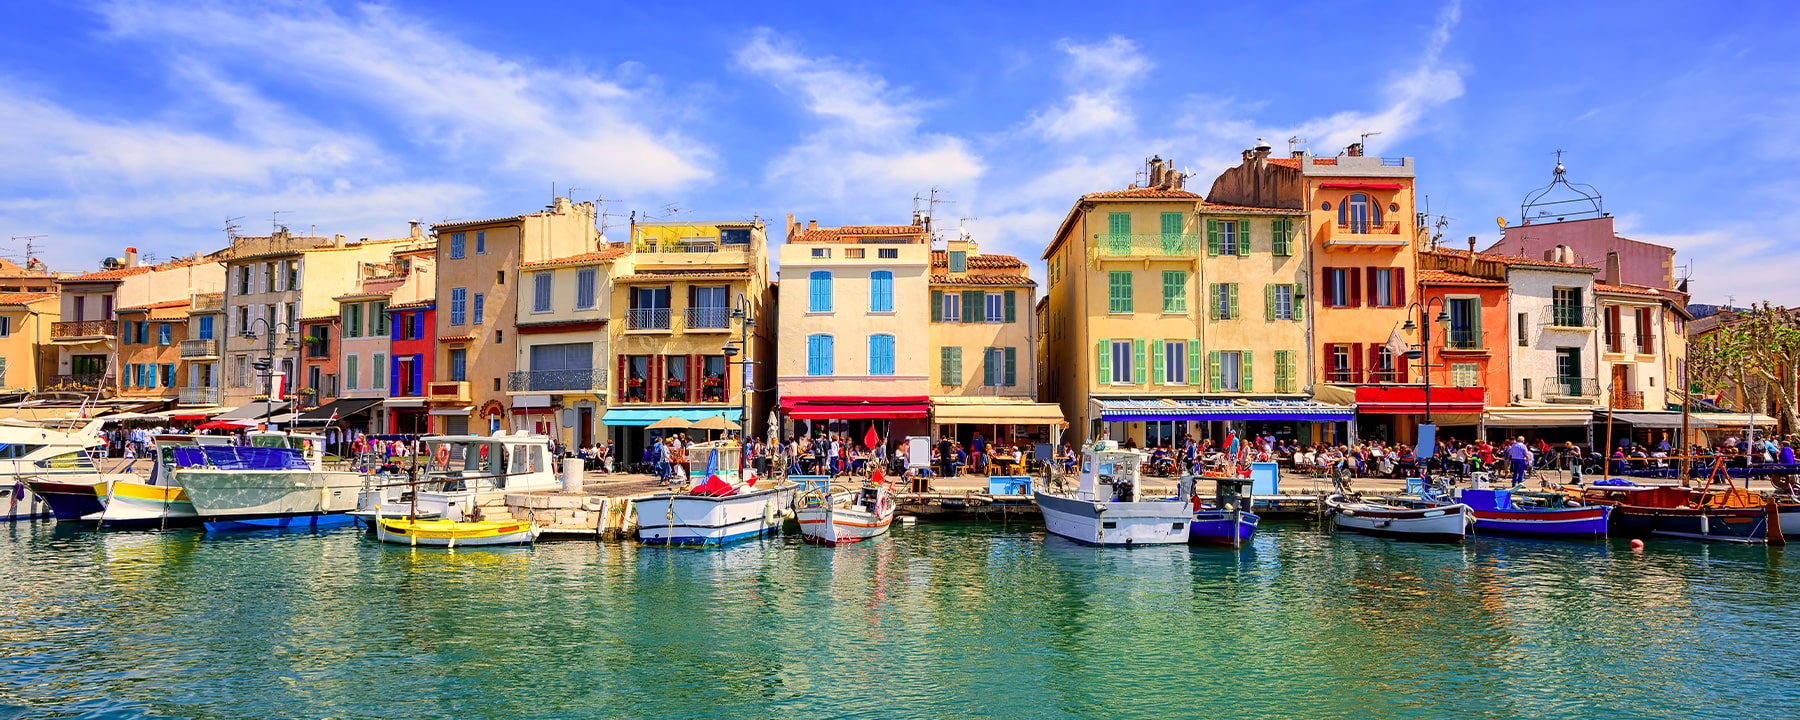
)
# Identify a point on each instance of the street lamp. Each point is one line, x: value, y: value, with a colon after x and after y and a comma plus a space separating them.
x: 741, y: 313
x: 266, y: 364
x: 1424, y: 351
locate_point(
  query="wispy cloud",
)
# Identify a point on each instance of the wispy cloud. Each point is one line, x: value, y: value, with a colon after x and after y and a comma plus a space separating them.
x: 1098, y: 76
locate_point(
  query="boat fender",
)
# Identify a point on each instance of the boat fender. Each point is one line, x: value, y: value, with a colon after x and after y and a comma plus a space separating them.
x: 769, y: 512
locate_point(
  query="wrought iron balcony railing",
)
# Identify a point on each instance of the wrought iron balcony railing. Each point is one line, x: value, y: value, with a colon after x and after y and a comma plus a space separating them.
x: 83, y: 328
x: 199, y: 348
x: 708, y: 318
x: 647, y: 319
x: 198, y: 396
x: 1574, y: 387
x: 1627, y: 400
x: 1149, y: 245
x: 1570, y: 316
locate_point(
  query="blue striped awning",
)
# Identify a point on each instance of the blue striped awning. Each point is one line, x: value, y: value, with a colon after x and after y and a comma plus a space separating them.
x: 1239, y: 409
x: 641, y: 417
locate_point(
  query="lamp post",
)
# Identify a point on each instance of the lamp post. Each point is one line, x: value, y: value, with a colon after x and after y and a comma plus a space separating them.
x: 1424, y: 351
x: 741, y: 313
x: 266, y: 364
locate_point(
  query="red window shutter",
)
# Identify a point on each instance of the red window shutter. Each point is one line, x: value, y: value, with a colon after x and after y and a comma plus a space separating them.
x: 1355, y: 287
x: 619, y: 379
x: 654, y: 383
x: 1404, y: 369
x: 1373, y: 287
x: 1399, y: 287
x: 1375, y: 362
x: 1327, y: 287
x: 1617, y: 334
x: 725, y: 384
x: 1356, y: 362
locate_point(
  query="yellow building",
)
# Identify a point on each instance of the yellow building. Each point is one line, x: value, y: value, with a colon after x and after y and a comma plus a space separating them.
x: 477, y: 266
x: 87, y: 338
x: 1166, y: 312
x: 25, y: 352
x: 150, y: 338
x: 559, y: 388
x: 853, y: 297
x: 984, y: 349
x: 688, y: 297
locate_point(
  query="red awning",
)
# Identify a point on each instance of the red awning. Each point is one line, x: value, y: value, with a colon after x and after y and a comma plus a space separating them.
x: 1362, y: 185
x: 854, y: 408
x: 187, y: 417
x: 1410, y: 400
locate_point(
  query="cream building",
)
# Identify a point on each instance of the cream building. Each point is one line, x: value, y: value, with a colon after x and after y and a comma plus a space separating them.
x: 87, y: 336
x: 985, y: 349
x: 559, y: 388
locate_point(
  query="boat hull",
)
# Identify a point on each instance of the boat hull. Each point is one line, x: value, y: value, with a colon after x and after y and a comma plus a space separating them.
x: 1570, y: 522
x: 1221, y: 527
x: 1115, y: 523
x: 226, y: 495
x: 672, y: 519
x: 451, y: 534
x: 136, y: 503
x: 70, y: 500
x: 838, y: 525
x: 318, y: 521
x: 1737, y: 525
x: 1445, y: 523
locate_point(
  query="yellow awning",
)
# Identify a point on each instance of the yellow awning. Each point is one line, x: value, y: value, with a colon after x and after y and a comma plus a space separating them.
x: 993, y: 411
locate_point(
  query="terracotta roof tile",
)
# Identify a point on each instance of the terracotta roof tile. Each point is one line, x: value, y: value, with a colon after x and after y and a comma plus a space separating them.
x: 1440, y: 277
x: 155, y: 306
x: 1141, y: 193
x: 457, y: 338
x: 1324, y: 161
x: 1626, y: 290
x: 666, y: 275
x: 319, y: 318
x: 612, y: 252
x: 941, y: 259
x: 415, y: 305
x: 472, y: 223
x: 840, y: 234
x: 1513, y: 260
x: 1006, y: 280
x: 118, y: 274
x: 1286, y: 162
x: 22, y: 298
x: 1222, y: 207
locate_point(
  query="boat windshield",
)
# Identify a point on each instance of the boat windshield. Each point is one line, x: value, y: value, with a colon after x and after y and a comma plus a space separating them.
x: 14, y: 451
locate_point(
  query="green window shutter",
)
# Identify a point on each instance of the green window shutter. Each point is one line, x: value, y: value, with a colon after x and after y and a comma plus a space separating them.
x: 1243, y: 228
x: 944, y: 366
x: 1156, y: 362
x: 1012, y: 367
x: 1214, y: 378
x: 1212, y: 236
x: 956, y: 366
x: 1171, y: 234
x: 987, y: 367
x: 972, y: 307
x: 1282, y: 243
x: 1298, y: 302
x: 1118, y: 223
x: 1281, y: 371
x: 1193, y: 363
x: 937, y: 306
x: 1293, y: 373
x: 1231, y: 297
x: 1012, y: 313
x: 1171, y: 223
x: 1212, y: 301
x: 1105, y: 361
x: 1268, y: 302
x: 1475, y: 320
x: 1137, y: 361
x: 1174, y: 288
x: 1245, y: 364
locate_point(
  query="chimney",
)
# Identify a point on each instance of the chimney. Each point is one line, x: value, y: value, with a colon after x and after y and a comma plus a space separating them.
x: 337, y: 241
x: 1296, y: 154
x: 812, y: 224
x: 1612, y: 267
x: 1156, y: 172
x: 416, y: 232
x: 130, y: 257
x: 1470, y: 268
x: 1263, y: 148
x: 792, y: 229
x: 561, y: 205
x: 1355, y: 150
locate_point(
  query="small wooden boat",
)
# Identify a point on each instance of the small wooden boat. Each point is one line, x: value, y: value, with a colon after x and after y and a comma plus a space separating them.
x: 845, y: 517
x: 1108, y: 507
x: 451, y: 533
x: 1540, y: 514
x: 1675, y: 511
x: 1226, y: 520
x: 722, y: 509
x: 1446, y: 523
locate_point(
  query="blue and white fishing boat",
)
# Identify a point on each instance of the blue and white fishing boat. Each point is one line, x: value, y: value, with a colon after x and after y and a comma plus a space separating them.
x: 1226, y: 520
x: 721, y: 509
x: 1541, y: 514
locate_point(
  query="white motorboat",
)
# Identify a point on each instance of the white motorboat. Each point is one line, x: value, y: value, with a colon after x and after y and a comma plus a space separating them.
x: 723, y: 509
x: 465, y: 472
x: 47, y: 470
x: 842, y: 516
x: 1108, y: 506
x: 1448, y: 522
x: 277, y: 481
x: 157, y: 500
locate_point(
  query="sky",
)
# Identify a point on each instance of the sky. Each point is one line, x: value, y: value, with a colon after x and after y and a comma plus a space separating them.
x: 150, y: 124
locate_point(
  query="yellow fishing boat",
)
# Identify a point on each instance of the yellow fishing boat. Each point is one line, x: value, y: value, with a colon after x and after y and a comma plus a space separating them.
x: 451, y: 533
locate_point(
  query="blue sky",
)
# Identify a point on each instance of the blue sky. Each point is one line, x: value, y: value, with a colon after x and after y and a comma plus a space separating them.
x: 148, y: 124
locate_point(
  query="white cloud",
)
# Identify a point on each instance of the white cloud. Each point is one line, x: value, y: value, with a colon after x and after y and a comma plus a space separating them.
x: 869, y: 142
x: 1098, y: 77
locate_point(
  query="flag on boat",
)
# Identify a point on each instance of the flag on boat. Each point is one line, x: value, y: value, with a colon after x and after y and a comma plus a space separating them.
x: 712, y: 466
x: 714, y: 485
x: 878, y: 477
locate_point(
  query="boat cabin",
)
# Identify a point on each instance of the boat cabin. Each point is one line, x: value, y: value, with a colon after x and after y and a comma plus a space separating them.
x: 729, y: 455
x: 33, y: 450
x: 1109, y: 474
x: 1655, y: 496
x: 464, y: 470
x: 311, y: 447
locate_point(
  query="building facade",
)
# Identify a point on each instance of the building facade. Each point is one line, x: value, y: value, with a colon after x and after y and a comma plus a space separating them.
x: 87, y: 339
x: 318, y: 382
x: 984, y: 342
x: 412, y: 353
x: 26, y: 354
x: 150, y: 338
x: 559, y: 388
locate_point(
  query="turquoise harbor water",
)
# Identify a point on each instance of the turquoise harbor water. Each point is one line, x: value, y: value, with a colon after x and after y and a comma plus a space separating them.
x: 934, y: 621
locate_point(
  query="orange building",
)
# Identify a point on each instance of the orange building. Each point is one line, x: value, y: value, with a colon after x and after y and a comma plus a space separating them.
x: 1469, y: 333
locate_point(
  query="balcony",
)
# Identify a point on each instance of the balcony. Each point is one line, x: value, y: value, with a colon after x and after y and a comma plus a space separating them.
x: 83, y: 329
x: 557, y: 381
x: 447, y: 391
x: 1627, y: 400
x: 80, y: 383
x: 1379, y: 235
x: 198, y: 396
x: 1574, y: 388
x: 207, y: 301
x: 1343, y: 377
x: 1570, y: 317
x: 197, y: 349
x: 1462, y: 339
x: 1646, y: 344
x: 1143, y: 245
x: 707, y: 318
x: 647, y: 319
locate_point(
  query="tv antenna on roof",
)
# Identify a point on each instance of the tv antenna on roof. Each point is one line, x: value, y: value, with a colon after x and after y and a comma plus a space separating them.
x: 1294, y: 140
x: 231, y: 227
x: 275, y: 221
x: 1366, y: 136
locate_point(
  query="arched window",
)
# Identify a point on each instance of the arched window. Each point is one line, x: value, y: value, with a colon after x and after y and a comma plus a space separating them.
x: 1358, y: 213
x: 881, y: 291
x: 819, y: 297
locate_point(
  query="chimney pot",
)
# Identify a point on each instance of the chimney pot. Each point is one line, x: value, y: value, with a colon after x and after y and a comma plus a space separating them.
x: 1296, y: 154
x: 812, y: 224
x: 1355, y: 150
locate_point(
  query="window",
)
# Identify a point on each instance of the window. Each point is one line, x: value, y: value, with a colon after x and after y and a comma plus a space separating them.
x: 881, y: 354
x: 1118, y: 233
x: 1337, y: 286
x: 950, y: 366
x: 881, y: 291
x: 293, y: 312
x: 352, y: 374
x: 713, y: 381
x: 1224, y: 301
x: 999, y: 367
x: 853, y: 253
x: 1226, y: 237
x: 5, y: 327
x: 480, y: 242
x: 1358, y: 214
x: 540, y: 292
x: 1281, y: 241
x: 1465, y: 323
x: 478, y: 308
x: 353, y: 326
x: 458, y: 306
x: 675, y: 383
x: 378, y: 318
x: 1345, y: 368
x: 500, y: 277
x: 293, y: 274
x: 1280, y: 299
x: 418, y: 326
x: 1566, y: 309
x: 456, y: 245
x: 1228, y: 371
x: 168, y: 375
x: 819, y: 291
x: 206, y: 327
x: 1118, y: 284
x: 1383, y: 365
x: 164, y: 334
x: 1284, y: 371
x: 240, y: 371
x: 1121, y: 362
x: 818, y: 355
x: 1464, y: 375
x: 1527, y: 387
x: 995, y: 308
x: 959, y: 261
x: 459, y: 365
x: 1524, y: 336
x: 243, y: 280
x: 888, y: 253
x: 952, y: 307
x: 584, y: 288
x: 821, y: 253
x: 378, y: 371
x: 1175, y: 362
x: 1174, y: 287
x: 499, y: 336
x: 1646, y: 339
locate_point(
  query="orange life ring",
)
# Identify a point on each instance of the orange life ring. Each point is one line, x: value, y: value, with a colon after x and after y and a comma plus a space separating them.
x: 443, y: 454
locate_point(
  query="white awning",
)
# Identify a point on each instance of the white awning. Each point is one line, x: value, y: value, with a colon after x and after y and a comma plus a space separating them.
x: 531, y: 401
x: 404, y: 402
x: 1525, y: 416
x: 465, y: 410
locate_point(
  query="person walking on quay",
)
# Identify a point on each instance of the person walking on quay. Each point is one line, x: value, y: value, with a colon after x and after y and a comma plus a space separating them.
x: 1519, y: 457
x: 946, y: 456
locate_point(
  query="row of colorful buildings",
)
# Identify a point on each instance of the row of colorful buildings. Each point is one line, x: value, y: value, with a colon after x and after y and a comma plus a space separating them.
x: 1305, y: 296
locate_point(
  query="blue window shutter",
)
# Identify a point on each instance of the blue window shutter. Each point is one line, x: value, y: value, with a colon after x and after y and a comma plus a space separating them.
x: 480, y: 241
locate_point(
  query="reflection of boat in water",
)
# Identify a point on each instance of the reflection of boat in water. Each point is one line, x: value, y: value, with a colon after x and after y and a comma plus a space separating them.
x: 832, y: 516
x: 277, y: 481
x: 158, y: 500
x: 1108, y: 508
x: 52, y: 471
x: 451, y: 533
x: 720, y: 510
x: 466, y: 473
